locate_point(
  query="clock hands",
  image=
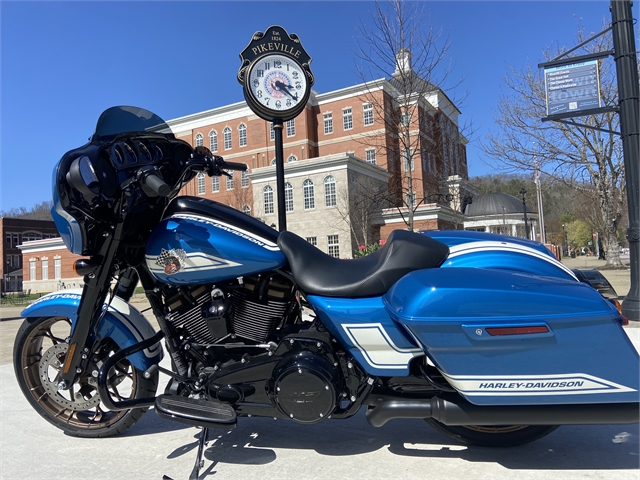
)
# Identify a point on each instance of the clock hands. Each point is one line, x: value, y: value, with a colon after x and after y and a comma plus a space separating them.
x: 285, y: 88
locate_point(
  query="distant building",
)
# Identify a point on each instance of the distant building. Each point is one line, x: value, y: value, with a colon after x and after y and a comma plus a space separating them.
x: 500, y: 213
x: 48, y: 266
x: 14, y: 232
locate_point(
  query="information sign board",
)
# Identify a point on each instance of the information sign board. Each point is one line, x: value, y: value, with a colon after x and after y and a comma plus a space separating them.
x: 573, y: 87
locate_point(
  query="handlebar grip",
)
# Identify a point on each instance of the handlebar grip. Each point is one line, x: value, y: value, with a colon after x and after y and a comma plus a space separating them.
x: 154, y: 186
x: 235, y: 166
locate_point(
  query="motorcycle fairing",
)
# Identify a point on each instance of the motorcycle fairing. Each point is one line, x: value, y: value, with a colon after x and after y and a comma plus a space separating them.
x: 584, y: 357
x: 488, y: 250
x: 363, y: 326
x: 123, y: 323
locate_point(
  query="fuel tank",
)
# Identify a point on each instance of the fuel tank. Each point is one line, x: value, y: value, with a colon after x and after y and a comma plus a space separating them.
x: 202, y: 241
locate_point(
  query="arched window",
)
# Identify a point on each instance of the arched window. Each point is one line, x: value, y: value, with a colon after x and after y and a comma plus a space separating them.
x: 267, y: 195
x: 31, y: 236
x: 244, y: 179
x: 215, y: 184
x: 292, y: 158
x: 201, y: 187
x: 308, y: 195
x: 213, y: 141
x: 273, y: 162
x: 242, y: 135
x: 199, y: 140
x: 246, y: 209
x: 288, y: 197
x: 329, y: 191
x: 227, y: 138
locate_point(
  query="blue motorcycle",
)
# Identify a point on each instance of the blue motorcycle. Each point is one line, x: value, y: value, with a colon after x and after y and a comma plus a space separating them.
x: 488, y: 338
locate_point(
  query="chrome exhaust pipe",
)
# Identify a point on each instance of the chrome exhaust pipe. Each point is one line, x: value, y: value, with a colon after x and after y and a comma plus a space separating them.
x: 461, y: 412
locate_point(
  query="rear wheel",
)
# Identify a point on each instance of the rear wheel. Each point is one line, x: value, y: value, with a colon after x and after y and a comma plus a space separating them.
x: 39, y: 353
x: 493, y: 436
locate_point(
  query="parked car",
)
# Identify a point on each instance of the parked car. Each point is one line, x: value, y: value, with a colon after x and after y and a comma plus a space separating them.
x: 597, y: 281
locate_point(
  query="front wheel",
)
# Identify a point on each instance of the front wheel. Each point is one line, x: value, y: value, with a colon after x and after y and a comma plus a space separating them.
x: 39, y: 352
x: 493, y: 436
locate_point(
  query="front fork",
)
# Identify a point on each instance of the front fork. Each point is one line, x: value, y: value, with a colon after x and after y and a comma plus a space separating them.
x: 90, y: 310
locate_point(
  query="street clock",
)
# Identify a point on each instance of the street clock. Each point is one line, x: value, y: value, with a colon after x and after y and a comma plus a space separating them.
x: 275, y: 75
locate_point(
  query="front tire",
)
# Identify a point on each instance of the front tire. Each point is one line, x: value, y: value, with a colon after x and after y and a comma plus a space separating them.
x: 38, y: 355
x: 493, y: 436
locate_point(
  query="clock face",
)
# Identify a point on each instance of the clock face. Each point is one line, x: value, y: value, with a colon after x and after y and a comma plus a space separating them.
x: 278, y: 83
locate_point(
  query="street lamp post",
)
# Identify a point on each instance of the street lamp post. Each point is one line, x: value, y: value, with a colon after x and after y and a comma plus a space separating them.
x: 523, y: 192
x: 565, y: 247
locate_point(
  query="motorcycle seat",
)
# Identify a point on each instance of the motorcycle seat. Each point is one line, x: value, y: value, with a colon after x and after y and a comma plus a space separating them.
x: 320, y: 274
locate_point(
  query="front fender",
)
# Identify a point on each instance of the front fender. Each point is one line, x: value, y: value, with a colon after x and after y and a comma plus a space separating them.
x: 123, y: 323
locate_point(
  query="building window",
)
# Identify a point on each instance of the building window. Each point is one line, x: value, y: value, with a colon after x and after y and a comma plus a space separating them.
x: 213, y: 141
x: 347, y: 119
x: 367, y: 109
x: 371, y: 156
x: 272, y: 133
x: 215, y: 184
x: 411, y: 200
x: 8, y: 239
x: 328, y: 123
x: 405, y: 119
x: 201, y: 187
x: 288, y: 197
x: 246, y: 209
x: 31, y: 236
x: 242, y: 135
x: 267, y: 194
x: 227, y: 138
x: 291, y: 127
x: 45, y: 269
x: 199, y: 140
x: 313, y: 241
x: 333, y: 247
x: 57, y: 268
x: 308, y: 195
x: 273, y: 162
x: 244, y: 179
x: 32, y: 270
x: 16, y: 240
x: 230, y: 180
x: 292, y: 158
x: 407, y: 157
x: 329, y: 192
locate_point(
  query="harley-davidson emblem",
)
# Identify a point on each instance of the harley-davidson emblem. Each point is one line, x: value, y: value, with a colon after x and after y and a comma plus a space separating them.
x: 172, y: 260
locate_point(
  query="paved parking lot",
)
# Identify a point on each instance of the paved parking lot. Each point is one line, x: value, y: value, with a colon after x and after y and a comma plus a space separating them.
x: 259, y: 448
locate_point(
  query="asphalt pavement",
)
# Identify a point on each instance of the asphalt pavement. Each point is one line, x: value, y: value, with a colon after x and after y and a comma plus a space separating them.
x: 263, y: 448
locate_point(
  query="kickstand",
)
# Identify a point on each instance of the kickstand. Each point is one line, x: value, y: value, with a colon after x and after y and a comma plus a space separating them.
x: 202, y: 442
x: 195, y: 473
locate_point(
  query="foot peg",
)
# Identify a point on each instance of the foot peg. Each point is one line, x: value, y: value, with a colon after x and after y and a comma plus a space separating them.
x: 201, y: 413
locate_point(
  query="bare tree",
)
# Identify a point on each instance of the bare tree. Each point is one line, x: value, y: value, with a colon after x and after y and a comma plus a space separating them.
x: 40, y: 211
x: 585, y: 158
x: 358, y: 204
x: 401, y: 46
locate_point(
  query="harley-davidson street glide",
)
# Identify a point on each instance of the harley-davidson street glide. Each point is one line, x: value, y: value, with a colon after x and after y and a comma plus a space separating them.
x: 488, y: 338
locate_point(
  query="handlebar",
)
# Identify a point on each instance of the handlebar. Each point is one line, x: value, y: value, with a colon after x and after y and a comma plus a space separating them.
x: 242, y: 167
x: 151, y: 183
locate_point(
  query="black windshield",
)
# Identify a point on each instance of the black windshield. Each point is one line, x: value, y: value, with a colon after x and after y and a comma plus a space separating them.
x: 117, y: 120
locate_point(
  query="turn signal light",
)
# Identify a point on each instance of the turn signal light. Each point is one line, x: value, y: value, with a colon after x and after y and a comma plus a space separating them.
x: 517, y: 330
x: 83, y: 267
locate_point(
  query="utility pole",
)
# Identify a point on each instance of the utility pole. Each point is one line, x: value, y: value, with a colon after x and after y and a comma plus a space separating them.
x: 627, y: 72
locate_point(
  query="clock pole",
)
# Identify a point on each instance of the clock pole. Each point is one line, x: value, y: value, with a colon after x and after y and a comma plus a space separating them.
x: 282, y: 214
x: 276, y: 80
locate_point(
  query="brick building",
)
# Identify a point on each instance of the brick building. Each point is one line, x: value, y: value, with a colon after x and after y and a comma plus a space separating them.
x: 359, y: 123
x: 14, y: 232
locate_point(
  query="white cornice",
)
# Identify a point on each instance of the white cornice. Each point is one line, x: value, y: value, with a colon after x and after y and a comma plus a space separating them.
x: 34, y: 246
x: 339, y: 161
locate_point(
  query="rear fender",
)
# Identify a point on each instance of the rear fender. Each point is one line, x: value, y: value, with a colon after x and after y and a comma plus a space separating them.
x: 123, y: 323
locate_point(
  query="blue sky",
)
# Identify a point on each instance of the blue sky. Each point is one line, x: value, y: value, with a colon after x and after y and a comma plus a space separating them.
x: 63, y: 63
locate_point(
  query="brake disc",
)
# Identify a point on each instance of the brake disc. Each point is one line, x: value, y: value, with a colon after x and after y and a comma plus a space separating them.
x: 81, y: 396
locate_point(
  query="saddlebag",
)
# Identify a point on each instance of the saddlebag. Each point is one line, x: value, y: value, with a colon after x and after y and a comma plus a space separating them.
x: 502, y: 337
